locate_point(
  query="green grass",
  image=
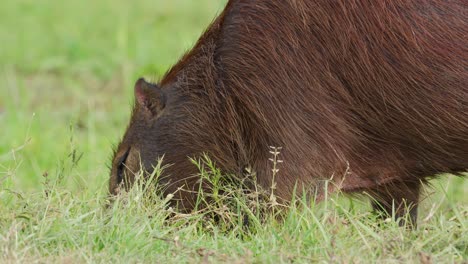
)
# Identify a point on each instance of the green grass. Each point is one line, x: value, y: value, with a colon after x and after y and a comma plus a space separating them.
x: 66, y: 75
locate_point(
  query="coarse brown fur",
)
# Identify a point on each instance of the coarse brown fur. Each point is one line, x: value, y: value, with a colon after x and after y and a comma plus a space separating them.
x: 371, y: 94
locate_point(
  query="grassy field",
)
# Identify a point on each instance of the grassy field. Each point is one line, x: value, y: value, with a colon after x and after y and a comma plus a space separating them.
x: 66, y: 75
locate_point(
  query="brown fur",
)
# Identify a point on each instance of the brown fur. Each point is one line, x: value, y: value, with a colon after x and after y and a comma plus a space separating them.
x: 369, y: 93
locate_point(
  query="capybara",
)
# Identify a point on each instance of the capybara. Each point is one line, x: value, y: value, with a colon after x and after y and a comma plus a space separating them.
x: 371, y: 95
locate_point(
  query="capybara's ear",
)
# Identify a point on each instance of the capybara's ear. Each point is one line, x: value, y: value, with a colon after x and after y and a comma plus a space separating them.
x: 149, y: 97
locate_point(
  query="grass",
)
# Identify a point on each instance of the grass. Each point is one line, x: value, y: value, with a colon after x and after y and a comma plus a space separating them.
x: 66, y: 75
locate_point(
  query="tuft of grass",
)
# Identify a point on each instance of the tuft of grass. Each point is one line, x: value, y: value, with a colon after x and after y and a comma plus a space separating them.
x: 57, y: 225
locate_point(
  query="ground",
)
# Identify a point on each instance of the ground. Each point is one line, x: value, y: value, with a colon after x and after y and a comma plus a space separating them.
x: 67, y: 70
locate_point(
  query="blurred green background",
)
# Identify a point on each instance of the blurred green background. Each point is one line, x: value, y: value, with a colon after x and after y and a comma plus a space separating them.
x: 67, y: 70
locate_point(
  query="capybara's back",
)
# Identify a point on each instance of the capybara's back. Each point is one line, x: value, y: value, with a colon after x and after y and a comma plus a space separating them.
x: 371, y: 94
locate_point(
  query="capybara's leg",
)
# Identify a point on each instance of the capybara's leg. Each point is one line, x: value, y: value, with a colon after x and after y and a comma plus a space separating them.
x: 397, y: 199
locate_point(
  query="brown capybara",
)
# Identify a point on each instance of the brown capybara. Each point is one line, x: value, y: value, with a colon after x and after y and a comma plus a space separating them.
x: 369, y: 94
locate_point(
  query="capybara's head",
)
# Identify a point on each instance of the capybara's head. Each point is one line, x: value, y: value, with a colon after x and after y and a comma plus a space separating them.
x: 154, y: 133
x: 149, y: 137
x: 139, y: 149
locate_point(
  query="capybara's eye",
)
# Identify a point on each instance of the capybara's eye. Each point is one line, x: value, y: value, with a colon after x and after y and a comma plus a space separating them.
x: 121, y: 166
